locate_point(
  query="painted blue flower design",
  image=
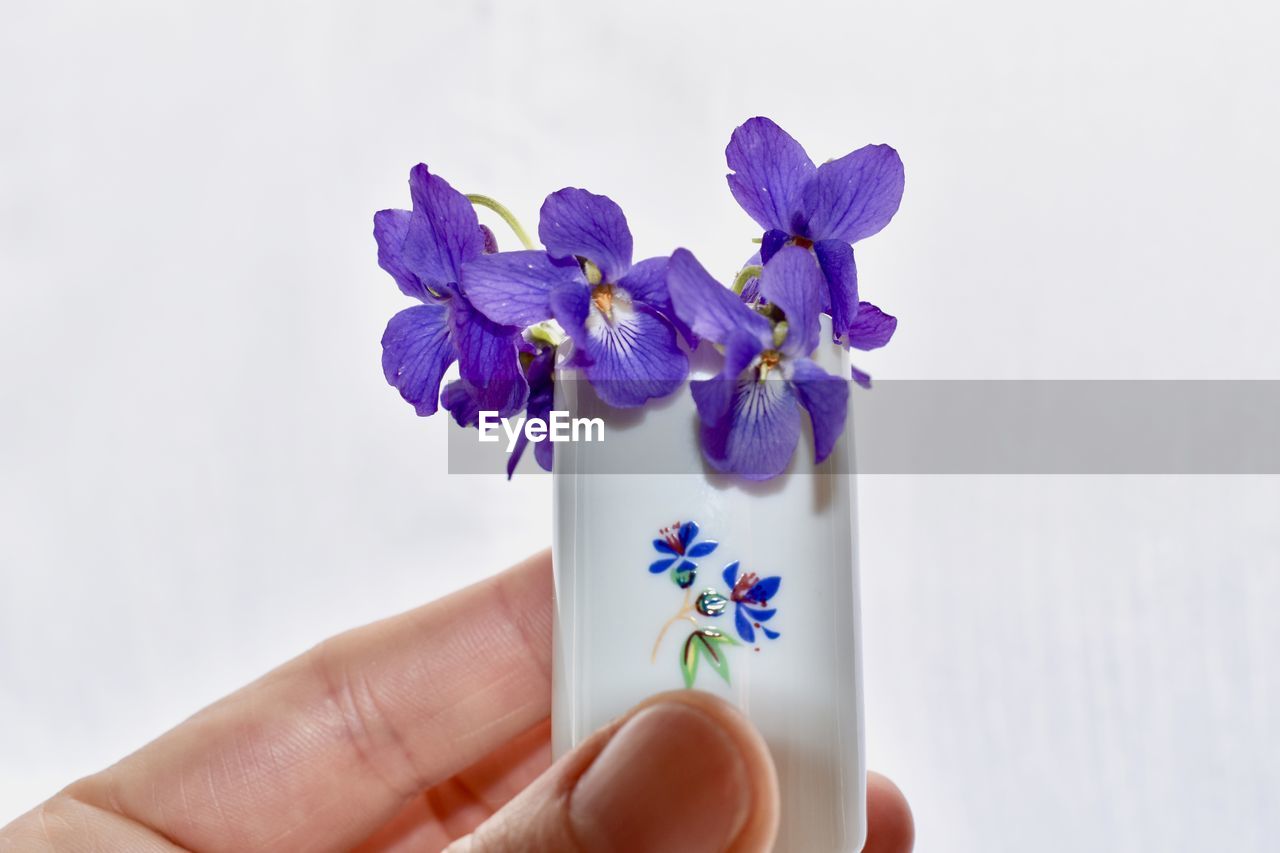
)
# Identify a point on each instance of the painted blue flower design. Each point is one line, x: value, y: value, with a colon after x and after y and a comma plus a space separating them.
x: 679, y: 542
x: 751, y: 595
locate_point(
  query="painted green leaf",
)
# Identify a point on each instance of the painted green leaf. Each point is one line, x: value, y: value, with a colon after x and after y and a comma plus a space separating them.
x: 708, y: 643
x: 683, y: 573
x: 715, y: 642
x: 689, y: 654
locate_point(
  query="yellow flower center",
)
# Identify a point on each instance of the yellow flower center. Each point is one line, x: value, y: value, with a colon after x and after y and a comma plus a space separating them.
x: 602, y: 297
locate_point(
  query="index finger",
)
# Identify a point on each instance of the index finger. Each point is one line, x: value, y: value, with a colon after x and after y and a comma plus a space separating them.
x: 326, y: 748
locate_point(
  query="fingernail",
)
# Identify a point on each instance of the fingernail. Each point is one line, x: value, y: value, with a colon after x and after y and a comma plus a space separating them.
x: 669, y: 779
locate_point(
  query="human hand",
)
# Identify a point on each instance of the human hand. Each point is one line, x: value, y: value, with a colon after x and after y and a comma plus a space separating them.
x: 430, y: 730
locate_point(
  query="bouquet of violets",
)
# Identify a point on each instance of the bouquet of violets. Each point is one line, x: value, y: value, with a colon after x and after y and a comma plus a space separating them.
x: 508, y: 318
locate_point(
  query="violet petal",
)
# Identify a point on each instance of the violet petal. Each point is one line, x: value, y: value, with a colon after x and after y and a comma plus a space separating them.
x: 416, y: 351
x: 710, y: 309
x: 633, y: 354
x: 714, y: 397
x: 837, y: 263
x: 860, y: 376
x: 462, y: 400
x: 443, y: 231
x: 769, y: 172
x: 871, y: 328
x: 826, y: 398
x: 487, y: 358
x: 647, y: 283
x: 855, y: 196
x: 513, y: 288
x: 792, y: 281
x: 771, y: 242
x: 574, y: 222
x: 758, y: 438
x: 390, y: 227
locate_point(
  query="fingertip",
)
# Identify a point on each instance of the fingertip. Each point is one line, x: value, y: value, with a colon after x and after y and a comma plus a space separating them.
x: 680, y: 771
x: 890, y: 825
x: 761, y: 826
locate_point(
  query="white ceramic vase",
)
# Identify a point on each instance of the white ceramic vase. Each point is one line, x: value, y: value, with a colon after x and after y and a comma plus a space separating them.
x: 787, y: 652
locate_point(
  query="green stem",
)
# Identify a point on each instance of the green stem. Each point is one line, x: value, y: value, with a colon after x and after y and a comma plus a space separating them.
x: 507, y: 216
x: 745, y: 276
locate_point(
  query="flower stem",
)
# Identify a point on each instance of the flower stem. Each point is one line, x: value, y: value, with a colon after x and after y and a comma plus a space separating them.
x: 507, y: 216
x: 744, y: 276
x: 682, y: 613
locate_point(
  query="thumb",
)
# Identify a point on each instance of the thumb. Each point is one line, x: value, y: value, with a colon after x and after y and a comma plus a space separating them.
x: 682, y: 771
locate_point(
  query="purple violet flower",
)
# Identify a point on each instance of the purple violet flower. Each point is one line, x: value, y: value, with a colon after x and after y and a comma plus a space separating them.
x: 750, y: 411
x: 424, y: 250
x: 823, y: 209
x: 617, y: 314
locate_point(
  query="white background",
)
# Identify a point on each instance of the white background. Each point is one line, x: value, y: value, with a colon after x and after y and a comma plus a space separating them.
x: 202, y: 471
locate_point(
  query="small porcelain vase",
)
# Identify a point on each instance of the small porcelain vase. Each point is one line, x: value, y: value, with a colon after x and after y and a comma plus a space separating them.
x: 669, y: 575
